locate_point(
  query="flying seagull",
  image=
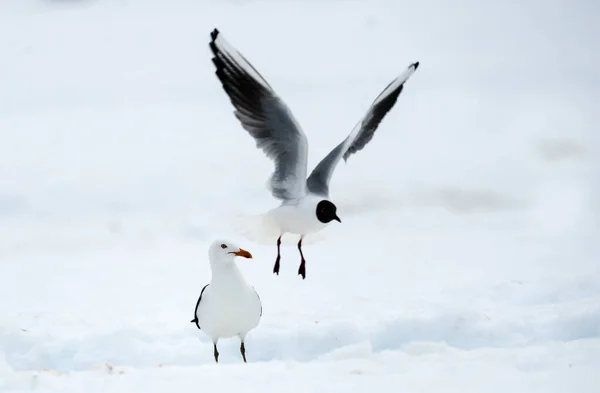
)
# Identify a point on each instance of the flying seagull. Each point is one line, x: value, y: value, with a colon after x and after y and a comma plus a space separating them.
x: 227, y: 306
x: 305, y: 206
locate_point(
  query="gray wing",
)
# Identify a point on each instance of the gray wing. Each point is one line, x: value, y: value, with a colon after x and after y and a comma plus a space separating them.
x: 195, y: 320
x: 266, y: 118
x: 318, y: 181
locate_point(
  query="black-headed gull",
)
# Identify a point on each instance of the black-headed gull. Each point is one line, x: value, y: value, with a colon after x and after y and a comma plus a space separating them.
x: 227, y: 306
x: 305, y: 207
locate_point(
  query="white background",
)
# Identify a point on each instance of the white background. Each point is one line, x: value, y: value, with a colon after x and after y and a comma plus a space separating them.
x: 467, y: 260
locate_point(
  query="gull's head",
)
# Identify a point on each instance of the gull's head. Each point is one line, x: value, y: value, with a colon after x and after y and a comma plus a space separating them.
x: 327, y: 212
x: 224, y: 252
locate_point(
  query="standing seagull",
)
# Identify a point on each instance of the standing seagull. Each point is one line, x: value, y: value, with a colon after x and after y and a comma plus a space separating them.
x: 305, y: 206
x: 227, y: 306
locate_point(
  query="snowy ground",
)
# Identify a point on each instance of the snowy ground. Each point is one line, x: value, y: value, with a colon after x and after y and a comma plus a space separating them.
x: 467, y: 260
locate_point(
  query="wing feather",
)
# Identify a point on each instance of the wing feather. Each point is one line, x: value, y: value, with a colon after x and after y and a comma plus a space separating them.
x: 361, y: 134
x: 265, y: 117
x: 195, y: 320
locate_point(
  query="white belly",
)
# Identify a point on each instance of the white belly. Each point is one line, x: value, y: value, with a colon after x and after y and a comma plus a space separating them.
x: 228, y: 314
x: 300, y: 218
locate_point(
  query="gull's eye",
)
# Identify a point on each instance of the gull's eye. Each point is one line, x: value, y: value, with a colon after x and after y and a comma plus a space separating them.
x: 223, y: 246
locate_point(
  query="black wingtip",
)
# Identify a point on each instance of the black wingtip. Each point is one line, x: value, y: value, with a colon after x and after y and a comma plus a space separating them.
x: 416, y: 65
x: 194, y: 320
x: 213, y: 35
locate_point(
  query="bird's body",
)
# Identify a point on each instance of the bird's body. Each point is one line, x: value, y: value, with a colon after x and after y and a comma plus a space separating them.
x: 305, y: 206
x: 228, y: 306
x: 297, y: 216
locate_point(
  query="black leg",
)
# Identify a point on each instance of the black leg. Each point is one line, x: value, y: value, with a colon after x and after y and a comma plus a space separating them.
x: 243, y: 351
x: 302, y: 268
x: 216, y: 353
x: 276, y: 267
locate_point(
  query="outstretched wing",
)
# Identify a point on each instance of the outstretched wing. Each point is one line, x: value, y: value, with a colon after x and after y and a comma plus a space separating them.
x: 318, y: 181
x: 266, y: 118
x: 195, y: 320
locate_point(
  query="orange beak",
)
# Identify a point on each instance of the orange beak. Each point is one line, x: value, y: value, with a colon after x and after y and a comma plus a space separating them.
x: 242, y: 253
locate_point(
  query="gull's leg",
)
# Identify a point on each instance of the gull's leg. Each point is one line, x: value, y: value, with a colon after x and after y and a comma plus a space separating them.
x: 276, y: 267
x: 242, y: 337
x: 302, y: 268
x: 215, y: 352
x: 243, y: 351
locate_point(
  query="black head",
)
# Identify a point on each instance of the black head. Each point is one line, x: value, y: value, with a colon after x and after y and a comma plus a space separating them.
x: 326, y: 212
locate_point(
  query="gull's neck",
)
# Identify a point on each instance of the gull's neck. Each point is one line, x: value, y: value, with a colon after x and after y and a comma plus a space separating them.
x: 227, y: 275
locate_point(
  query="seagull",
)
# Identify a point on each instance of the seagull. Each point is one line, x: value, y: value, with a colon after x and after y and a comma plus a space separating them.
x: 227, y: 306
x: 305, y: 205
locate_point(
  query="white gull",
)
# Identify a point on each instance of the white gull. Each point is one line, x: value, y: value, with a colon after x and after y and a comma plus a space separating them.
x: 305, y: 206
x: 227, y: 306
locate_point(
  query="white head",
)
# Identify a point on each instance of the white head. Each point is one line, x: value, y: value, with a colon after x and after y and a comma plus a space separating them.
x: 223, y: 252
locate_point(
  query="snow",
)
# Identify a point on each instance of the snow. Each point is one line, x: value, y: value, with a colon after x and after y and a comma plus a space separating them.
x: 467, y: 260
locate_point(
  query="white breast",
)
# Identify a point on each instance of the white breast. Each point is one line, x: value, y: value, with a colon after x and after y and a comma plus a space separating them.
x: 228, y: 310
x: 298, y: 218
